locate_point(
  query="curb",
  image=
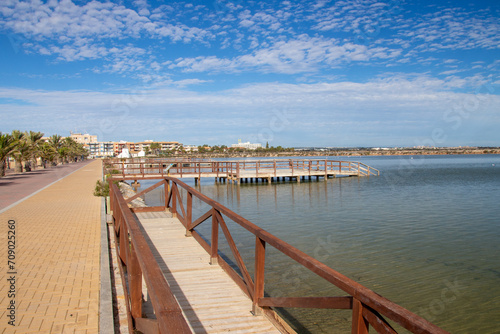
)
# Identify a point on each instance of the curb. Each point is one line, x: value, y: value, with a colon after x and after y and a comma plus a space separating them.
x: 106, y: 320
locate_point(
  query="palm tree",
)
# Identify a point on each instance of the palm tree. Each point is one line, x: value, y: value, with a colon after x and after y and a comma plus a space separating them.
x: 7, y: 146
x: 19, y: 151
x: 35, y: 141
x: 155, y: 147
x: 47, y: 153
x: 27, y: 151
x: 70, y: 148
x: 55, y: 142
x: 22, y: 154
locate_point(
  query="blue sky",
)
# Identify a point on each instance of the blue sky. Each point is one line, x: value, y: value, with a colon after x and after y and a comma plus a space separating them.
x: 291, y: 73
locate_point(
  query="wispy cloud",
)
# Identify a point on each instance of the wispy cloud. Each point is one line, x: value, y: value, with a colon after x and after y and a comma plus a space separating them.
x: 361, y: 64
x: 304, y: 54
x: 410, y: 101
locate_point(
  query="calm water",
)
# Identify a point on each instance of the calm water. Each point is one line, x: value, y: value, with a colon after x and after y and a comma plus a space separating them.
x: 424, y: 234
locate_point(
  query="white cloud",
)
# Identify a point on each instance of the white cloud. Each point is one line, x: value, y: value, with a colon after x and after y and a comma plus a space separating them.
x: 94, y: 20
x: 286, y: 42
x: 304, y: 54
x: 379, y: 103
x: 453, y: 28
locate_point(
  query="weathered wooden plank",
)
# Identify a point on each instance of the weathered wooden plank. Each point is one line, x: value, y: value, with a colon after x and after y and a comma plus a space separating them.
x: 210, y: 300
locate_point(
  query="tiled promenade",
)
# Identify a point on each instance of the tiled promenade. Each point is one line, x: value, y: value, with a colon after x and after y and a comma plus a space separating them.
x: 57, y: 254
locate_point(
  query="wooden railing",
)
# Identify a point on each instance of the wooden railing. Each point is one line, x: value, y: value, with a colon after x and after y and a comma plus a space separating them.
x: 140, y: 167
x: 273, y: 167
x: 137, y: 262
x: 368, y: 308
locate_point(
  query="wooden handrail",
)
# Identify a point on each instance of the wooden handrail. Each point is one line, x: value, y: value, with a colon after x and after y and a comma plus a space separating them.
x: 139, y: 262
x: 368, y: 307
x: 140, y: 167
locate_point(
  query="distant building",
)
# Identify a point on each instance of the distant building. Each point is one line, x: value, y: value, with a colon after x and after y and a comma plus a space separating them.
x: 114, y: 149
x: 101, y: 149
x: 191, y: 148
x: 247, y: 145
x: 84, y: 139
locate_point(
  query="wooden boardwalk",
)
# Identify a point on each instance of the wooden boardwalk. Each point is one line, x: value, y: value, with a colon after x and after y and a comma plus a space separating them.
x: 290, y: 174
x: 171, y: 287
x: 237, y: 171
x: 210, y: 300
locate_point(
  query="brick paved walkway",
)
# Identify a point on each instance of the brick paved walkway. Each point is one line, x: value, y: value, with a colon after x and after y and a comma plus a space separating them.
x: 14, y: 187
x: 56, y: 257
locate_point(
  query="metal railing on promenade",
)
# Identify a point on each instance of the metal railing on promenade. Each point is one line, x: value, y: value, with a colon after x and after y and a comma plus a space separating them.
x: 368, y: 308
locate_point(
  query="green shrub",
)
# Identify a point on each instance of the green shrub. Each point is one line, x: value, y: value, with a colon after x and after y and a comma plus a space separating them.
x: 101, y: 189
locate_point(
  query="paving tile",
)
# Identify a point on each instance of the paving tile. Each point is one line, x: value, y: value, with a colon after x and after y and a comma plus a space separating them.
x: 57, y: 253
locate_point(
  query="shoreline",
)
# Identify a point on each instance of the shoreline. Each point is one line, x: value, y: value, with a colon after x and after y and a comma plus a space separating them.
x: 348, y: 153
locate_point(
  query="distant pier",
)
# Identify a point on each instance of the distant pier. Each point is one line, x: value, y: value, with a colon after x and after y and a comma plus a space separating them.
x: 242, y: 171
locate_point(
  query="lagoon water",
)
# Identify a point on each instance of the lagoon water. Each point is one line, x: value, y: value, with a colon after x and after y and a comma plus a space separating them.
x: 424, y: 234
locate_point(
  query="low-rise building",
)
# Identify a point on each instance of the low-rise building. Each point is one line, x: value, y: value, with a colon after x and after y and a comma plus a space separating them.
x: 247, y: 145
x: 84, y: 139
x: 111, y: 148
x: 101, y: 149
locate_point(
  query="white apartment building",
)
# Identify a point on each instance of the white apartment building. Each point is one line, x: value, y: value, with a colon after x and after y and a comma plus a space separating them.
x: 247, y: 145
x: 101, y: 149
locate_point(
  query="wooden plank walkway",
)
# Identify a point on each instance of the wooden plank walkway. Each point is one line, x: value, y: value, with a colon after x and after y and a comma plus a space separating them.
x: 210, y: 300
x: 239, y: 171
x: 287, y: 173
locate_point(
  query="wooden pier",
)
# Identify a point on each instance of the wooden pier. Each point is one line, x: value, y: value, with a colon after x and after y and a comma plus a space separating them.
x: 211, y: 301
x: 237, y: 171
x: 177, y: 281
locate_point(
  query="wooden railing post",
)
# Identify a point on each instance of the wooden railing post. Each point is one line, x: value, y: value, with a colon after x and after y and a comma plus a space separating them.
x: 167, y: 190
x: 173, y: 208
x: 260, y: 260
x: 123, y: 240
x: 215, y: 239
x: 189, y: 213
x: 135, y: 281
x: 359, y: 323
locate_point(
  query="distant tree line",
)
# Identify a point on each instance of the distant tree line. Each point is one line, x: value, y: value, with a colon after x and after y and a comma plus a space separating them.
x: 155, y: 150
x: 28, y: 147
